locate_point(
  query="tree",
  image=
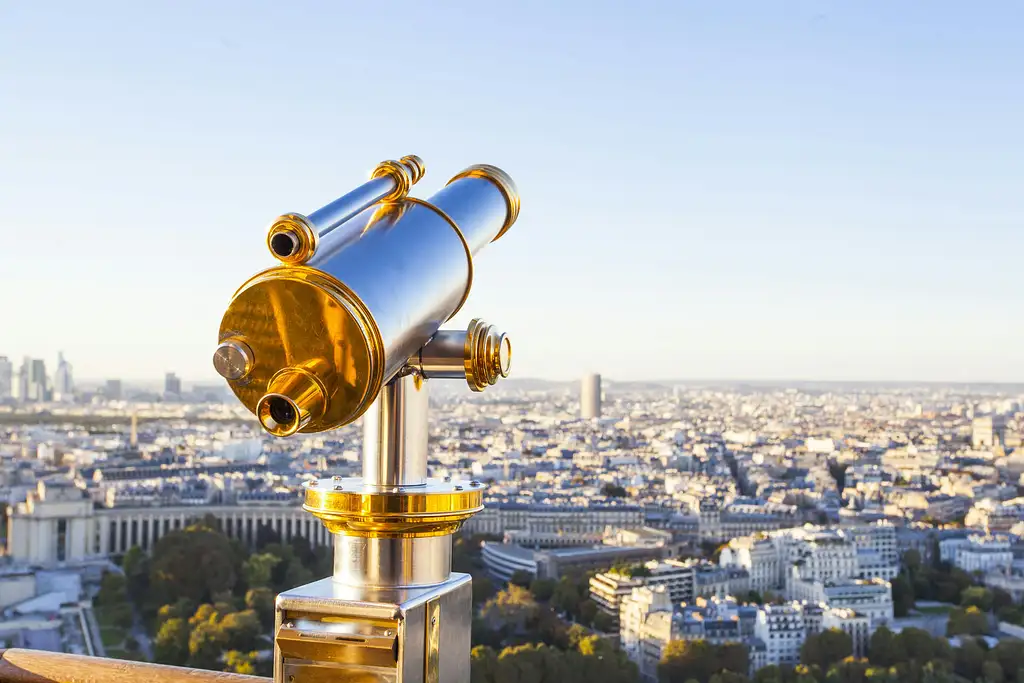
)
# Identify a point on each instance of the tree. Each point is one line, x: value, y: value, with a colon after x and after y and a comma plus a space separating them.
x: 566, y: 597
x: 181, y: 609
x: 258, y: 569
x: 902, y: 595
x: 483, y: 662
x: 542, y: 589
x: 971, y: 621
x: 171, y: 643
x: 826, y: 648
x: 768, y: 674
x: 194, y: 564
x: 261, y: 601
x: 912, y: 561
x: 755, y: 598
x: 991, y: 672
x: 521, y: 578
x: 849, y: 670
x: 838, y: 472
x: 136, y: 572
x: 483, y: 590
x: 1001, y: 599
x: 882, y: 648
x: 977, y: 596
x: 113, y: 590
x: 205, y: 645
x: 604, y: 622
x: 613, y: 491
x: 240, y: 662
x: 968, y: 659
x: 510, y: 610
x: 241, y: 630
x: 697, y: 659
x: 587, y: 611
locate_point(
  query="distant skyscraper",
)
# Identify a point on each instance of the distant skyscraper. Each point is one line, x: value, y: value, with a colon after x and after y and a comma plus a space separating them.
x: 590, y: 397
x: 63, y: 382
x: 21, y: 380
x: 172, y: 384
x: 112, y: 391
x: 31, y: 382
x: 6, y: 378
x: 134, y: 438
x: 39, y: 381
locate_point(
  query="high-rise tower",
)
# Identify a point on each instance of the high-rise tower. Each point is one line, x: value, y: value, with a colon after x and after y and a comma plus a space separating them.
x: 590, y: 397
x: 6, y: 378
x: 63, y: 382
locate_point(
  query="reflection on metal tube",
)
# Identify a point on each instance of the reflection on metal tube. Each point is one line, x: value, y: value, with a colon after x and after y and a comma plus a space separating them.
x: 293, y: 238
x: 395, y: 435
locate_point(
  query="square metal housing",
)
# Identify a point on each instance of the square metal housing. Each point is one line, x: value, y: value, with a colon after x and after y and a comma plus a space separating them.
x: 325, y: 631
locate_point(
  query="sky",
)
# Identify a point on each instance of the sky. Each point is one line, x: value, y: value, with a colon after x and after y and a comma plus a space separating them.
x: 732, y: 190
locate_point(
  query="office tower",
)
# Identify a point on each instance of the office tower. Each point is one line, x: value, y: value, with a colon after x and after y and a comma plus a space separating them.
x: 63, y: 383
x: 40, y: 381
x: 590, y: 397
x: 112, y: 391
x: 32, y: 381
x: 21, y: 380
x: 172, y: 384
x: 6, y: 378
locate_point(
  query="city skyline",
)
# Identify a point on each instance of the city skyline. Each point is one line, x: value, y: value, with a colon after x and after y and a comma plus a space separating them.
x: 819, y: 192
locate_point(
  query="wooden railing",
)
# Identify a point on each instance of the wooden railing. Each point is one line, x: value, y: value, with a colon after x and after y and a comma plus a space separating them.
x: 36, y: 666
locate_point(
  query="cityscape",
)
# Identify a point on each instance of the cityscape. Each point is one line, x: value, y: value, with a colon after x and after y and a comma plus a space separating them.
x: 676, y: 530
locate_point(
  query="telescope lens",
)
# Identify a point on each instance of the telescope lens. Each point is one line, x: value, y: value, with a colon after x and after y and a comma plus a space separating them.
x: 281, y: 410
x: 284, y: 244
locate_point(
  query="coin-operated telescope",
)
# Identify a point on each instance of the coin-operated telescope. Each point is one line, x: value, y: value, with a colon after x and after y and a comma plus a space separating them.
x: 348, y: 326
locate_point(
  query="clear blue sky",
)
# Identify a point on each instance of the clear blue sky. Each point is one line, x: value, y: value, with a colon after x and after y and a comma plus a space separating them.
x: 807, y: 190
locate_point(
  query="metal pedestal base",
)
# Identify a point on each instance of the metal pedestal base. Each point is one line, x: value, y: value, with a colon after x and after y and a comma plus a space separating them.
x: 327, y: 631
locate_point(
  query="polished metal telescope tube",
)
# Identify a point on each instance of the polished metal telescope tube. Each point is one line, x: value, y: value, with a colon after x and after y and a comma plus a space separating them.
x: 321, y: 336
x: 293, y: 238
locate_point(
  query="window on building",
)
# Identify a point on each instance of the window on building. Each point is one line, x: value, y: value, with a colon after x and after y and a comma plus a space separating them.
x: 62, y: 539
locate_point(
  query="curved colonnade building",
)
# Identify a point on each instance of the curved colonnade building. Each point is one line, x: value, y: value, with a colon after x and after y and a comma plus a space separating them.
x: 59, y: 523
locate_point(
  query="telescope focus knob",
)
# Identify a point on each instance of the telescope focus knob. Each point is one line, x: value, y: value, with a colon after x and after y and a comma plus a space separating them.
x: 480, y: 354
x: 488, y: 355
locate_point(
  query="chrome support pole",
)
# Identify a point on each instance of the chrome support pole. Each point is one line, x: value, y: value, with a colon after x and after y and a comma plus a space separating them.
x: 392, y: 562
x: 395, y: 435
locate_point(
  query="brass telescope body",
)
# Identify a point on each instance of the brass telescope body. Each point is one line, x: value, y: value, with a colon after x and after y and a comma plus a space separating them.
x: 348, y: 326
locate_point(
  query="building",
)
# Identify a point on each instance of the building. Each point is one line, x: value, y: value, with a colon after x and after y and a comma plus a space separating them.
x: 112, y: 390
x: 783, y: 631
x: 984, y: 554
x: 31, y: 383
x: 63, y: 382
x: 775, y: 560
x: 645, y: 628
x: 6, y: 378
x: 567, y: 522
x: 60, y: 523
x: 677, y: 577
x: 872, y: 599
x: 852, y: 623
x: 504, y: 559
x: 879, y: 537
x: 172, y: 385
x: 590, y: 397
x: 981, y: 433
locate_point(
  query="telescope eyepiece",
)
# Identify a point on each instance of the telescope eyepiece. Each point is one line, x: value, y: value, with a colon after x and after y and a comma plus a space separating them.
x: 284, y: 244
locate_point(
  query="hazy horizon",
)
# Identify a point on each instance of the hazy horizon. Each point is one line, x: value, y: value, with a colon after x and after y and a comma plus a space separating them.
x: 805, y: 189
